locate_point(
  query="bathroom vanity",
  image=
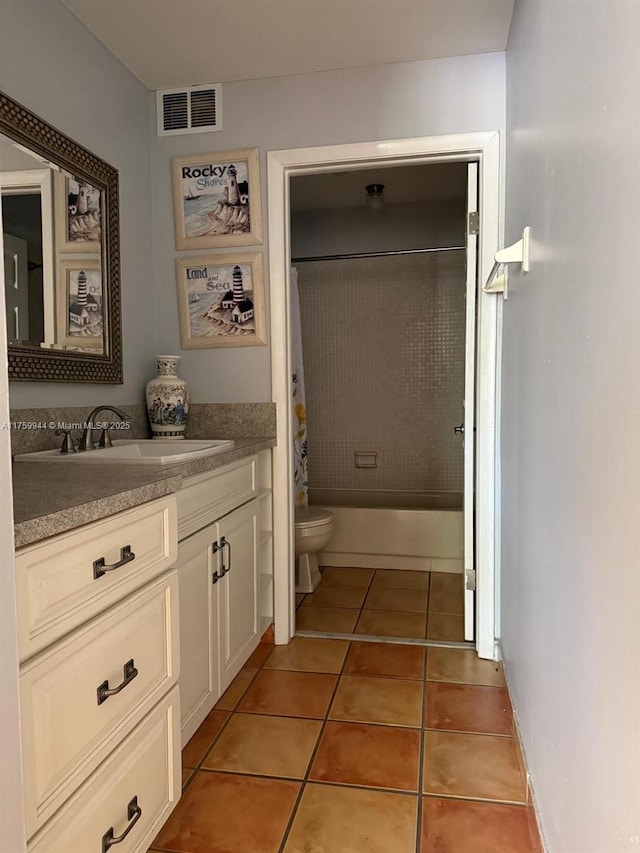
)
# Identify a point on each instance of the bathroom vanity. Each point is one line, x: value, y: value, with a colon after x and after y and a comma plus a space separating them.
x: 127, y: 637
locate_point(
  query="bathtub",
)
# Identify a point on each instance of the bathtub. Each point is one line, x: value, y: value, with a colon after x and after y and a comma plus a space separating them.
x: 421, y: 531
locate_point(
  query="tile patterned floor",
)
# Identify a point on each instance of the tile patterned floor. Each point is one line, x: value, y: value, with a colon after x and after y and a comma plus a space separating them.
x: 385, y: 603
x: 330, y: 746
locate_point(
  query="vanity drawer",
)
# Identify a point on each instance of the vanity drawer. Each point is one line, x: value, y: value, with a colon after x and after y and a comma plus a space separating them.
x: 206, y: 497
x: 146, y: 766
x: 68, y: 728
x: 58, y: 588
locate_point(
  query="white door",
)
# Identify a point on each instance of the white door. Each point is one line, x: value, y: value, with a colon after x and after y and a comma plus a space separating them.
x: 468, y: 424
x: 16, y: 287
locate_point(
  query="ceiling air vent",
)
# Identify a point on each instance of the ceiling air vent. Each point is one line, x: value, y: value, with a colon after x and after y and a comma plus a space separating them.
x: 193, y: 110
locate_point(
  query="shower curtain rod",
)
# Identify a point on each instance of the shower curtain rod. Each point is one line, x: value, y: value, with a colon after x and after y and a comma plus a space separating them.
x: 347, y: 257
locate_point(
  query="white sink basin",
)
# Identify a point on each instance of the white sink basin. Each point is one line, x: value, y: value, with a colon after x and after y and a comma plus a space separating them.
x: 129, y: 452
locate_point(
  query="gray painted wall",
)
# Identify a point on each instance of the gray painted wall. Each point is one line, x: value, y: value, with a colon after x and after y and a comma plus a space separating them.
x: 458, y: 95
x: 570, y: 460
x: 52, y: 65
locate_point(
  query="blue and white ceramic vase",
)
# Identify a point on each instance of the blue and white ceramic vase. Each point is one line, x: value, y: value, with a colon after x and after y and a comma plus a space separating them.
x: 167, y: 399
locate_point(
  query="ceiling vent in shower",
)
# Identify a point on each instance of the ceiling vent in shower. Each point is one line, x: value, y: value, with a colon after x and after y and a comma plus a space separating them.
x: 197, y: 109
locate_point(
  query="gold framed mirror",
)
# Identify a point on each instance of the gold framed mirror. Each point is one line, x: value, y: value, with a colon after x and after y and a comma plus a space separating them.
x: 62, y: 254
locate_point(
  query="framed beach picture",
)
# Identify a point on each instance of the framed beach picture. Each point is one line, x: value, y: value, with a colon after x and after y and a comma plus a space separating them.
x: 216, y: 199
x: 221, y: 301
x: 78, y: 215
x: 80, y: 304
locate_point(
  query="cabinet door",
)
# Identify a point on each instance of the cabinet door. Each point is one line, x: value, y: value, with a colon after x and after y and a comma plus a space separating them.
x: 199, y: 686
x: 237, y: 590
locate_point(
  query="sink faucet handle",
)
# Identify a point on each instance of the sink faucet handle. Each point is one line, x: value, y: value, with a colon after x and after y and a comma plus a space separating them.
x: 105, y: 438
x: 67, y: 442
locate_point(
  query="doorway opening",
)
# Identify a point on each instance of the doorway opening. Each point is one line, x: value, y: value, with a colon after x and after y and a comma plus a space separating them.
x: 481, y: 150
x: 382, y: 286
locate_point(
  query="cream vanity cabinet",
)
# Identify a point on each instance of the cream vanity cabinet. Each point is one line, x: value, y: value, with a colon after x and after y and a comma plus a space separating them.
x: 99, y: 662
x: 224, y: 557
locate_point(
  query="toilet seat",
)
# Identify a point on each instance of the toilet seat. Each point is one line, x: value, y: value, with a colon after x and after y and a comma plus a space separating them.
x: 312, y: 517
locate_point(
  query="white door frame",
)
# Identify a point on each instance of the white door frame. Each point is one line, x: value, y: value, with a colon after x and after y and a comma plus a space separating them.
x: 39, y: 181
x: 281, y: 165
x: 12, y: 826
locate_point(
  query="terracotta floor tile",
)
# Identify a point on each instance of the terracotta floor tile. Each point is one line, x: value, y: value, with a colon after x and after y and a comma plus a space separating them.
x: 444, y: 626
x: 462, y: 667
x: 290, y: 694
x: 386, y: 660
x: 259, y: 656
x: 334, y: 819
x: 268, y: 635
x: 213, y: 817
x: 338, y: 620
x: 374, y: 756
x: 483, y: 767
x: 401, y: 579
x: 441, y: 601
x: 336, y: 596
x: 388, y: 598
x: 461, y: 707
x: 523, y: 766
x: 265, y: 746
x: 458, y: 826
x: 233, y: 693
x: 446, y: 581
x: 390, y: 701
x: 383, y: 623
x: 196, y: 749
x: 342, y: 576
x: 187, y: 773
x: 300, y: 596
x: 309, y: 654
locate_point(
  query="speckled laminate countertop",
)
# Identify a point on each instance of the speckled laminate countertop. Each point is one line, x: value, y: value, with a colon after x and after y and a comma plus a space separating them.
x: 50, y: 498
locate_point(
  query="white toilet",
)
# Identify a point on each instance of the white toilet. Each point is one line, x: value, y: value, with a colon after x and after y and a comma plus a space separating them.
x: 314, y: 527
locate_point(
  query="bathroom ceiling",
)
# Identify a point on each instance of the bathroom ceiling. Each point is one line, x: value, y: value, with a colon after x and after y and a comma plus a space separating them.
x: 402, y: 185
x: 172, y: 43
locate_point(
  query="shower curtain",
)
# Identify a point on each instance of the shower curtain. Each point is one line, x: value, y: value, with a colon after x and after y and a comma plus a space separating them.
x: 299, y: 409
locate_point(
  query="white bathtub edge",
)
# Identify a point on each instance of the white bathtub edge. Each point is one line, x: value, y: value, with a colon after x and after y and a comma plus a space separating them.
x: 389, y: 561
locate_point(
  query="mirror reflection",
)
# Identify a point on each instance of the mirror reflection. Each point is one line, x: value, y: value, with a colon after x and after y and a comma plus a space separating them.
x: 62, y: 253
x: 53, y: 251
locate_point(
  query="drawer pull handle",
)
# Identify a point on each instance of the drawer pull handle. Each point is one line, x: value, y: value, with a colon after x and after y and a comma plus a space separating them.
x: 134, y: 813
x: 104, y: 691
x: 100, y: 566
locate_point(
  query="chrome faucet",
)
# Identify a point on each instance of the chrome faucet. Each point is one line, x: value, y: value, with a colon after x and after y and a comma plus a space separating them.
x: 86, y: 441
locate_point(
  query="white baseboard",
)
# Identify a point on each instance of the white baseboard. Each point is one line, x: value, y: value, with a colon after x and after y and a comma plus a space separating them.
x: 531, y: 799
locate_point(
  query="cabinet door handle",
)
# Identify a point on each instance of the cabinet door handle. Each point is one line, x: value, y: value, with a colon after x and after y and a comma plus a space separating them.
x: 215, y: 576
x: 100, y: 566
x: 226, y: 544
x: 134, y: 813
x: 220, y: 546
x: 104, y: 691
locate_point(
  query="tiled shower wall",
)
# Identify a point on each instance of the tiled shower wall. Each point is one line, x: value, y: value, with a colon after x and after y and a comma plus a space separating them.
x: 383, y: 343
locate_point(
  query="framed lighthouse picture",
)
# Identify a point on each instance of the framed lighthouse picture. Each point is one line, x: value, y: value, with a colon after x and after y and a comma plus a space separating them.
x: 78, y: 215
x: 216, y: 199
x: 221, y: 301
x: 80, y: 305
